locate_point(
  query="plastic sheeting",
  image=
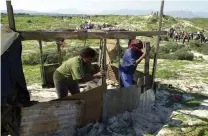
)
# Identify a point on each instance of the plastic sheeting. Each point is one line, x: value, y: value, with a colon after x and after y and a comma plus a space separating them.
x: 8, y: 36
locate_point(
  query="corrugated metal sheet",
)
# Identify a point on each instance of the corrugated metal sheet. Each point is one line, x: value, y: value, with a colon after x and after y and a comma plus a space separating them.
x: 93, y: 103
x: 54, y: 118
x: 119, y: 100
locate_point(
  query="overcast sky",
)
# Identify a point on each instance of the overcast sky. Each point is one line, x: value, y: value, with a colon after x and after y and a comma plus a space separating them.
x: 91, y: 6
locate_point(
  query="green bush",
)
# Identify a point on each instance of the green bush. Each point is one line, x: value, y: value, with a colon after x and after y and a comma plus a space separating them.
x: 173, y: 51
x: 31, y: 58
x: 202, y: 48
x: 153, y: 19
x: 50, y: 56
x: 183, y: 54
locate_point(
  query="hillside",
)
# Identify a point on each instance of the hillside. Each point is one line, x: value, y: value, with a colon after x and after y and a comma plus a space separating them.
x: 144, y: 22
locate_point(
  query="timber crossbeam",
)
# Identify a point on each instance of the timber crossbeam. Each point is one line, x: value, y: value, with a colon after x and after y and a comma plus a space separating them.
x: 53, y: 35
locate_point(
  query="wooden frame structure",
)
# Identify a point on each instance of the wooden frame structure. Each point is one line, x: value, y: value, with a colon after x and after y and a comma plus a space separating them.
x: 75, y: 34
x: 92, y: 102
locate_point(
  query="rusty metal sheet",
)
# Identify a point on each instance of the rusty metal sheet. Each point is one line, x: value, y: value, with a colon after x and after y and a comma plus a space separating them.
x: 57, y: 118
x: 93, y: 103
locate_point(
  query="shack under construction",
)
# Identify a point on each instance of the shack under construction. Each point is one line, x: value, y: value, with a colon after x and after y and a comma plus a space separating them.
x: 63, y: 116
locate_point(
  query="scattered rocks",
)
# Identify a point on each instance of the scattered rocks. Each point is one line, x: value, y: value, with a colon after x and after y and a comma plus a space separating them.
x: 174, y: 123
x: 183, y: 129
x: 186, y: 97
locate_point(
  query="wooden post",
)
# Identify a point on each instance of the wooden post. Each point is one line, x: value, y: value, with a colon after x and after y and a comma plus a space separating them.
x: 59, y: 54
x: 42, y: 63
x: 157, y: 45
x: 119, y: 55
x: 10, y: 15
x: 146, y: 65
x: 104, y: 68
x: 100, y: 52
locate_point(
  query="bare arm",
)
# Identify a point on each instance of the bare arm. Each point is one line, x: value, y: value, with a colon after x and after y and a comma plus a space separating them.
x: 90, y: 77
x: 140, y: 59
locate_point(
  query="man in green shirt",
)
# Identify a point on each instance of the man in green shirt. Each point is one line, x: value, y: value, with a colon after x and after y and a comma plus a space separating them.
x: 73, y: 71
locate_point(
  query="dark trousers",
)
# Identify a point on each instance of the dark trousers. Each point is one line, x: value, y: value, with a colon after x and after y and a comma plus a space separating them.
x: 63, y: 85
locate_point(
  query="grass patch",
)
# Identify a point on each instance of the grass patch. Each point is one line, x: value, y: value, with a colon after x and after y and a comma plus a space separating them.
x: 202, y: 48
x: 190, y: 103
x: 195, y: 130
x: 203, y: 132
x: 32, y: 74
x: 174, y: 51
x: 166, y: 74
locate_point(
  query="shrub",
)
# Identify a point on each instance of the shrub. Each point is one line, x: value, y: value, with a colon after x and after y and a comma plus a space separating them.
x: 50, y: 56
x: 183, y: 54
x: 173, y: 51
x: 153, y: 19
x: 202, y: 48
x: 31, y: 58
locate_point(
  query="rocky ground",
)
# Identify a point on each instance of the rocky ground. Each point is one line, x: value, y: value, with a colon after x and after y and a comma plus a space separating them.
x: 166, y: 116
x: 159, y: 118
x: 186, y: 115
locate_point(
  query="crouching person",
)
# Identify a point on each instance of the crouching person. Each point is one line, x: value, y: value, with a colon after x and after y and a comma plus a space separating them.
x: 75, y: 70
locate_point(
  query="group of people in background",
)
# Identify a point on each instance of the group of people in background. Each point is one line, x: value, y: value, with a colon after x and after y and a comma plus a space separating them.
x: 187, y: 36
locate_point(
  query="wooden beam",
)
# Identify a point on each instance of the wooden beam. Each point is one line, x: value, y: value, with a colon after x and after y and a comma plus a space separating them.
x: 10, y: 15
x: 59, y: 54
x: 146, y: 65
x: 157, y: 45
x: 119, y: 56
x: 147, y: 57
x: 42, y: 63
x: 53, y: 35
x: 104, y: 67
x: 100, y: 52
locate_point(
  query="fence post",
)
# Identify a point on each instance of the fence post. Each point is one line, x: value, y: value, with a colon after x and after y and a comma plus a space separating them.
x: 42, y: 64
x: 59, y: 54
x: 104, y: 68
x: 10, y: 15
x: 146, y: 65
x: 119, y: 55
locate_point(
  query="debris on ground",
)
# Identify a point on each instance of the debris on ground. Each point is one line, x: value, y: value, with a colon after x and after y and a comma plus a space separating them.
x: 158, y: 119
x: 141, y: 121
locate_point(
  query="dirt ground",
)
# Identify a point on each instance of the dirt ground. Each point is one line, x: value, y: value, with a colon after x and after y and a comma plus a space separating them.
x: 163, y: 117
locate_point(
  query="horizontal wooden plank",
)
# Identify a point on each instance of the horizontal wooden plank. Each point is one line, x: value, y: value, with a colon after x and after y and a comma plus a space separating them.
x: 53, y: 35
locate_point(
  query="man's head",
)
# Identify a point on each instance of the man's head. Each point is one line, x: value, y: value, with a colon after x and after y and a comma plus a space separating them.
x: 60, y: 42
x: 87, y: 54
x: 136, y: 44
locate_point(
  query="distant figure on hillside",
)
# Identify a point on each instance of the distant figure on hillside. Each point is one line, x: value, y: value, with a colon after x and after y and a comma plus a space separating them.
x: 171, y: 32
x: 186, y: 36
x: 176, y: 36
x: 206, y: 39
x: 191, y: 36
x: 202, y: 38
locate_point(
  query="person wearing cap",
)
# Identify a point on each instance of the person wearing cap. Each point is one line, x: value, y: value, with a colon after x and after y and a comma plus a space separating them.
x: 75, y: 70
x: 132, y: 57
